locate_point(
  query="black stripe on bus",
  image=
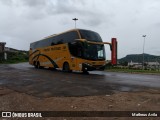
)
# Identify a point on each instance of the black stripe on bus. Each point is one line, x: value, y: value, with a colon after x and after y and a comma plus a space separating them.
x: 52, y: 61
x: 34, y: 52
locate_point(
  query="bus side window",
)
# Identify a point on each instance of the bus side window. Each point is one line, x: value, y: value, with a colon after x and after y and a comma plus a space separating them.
x: 70, y: 36
x: 52, y: 44
x: 60, y: 42
x: 76, y: 49
x: 72, y: 48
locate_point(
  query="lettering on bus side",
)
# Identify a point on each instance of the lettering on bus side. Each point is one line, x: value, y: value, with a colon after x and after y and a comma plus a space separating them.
x: 73, y: 65
x: 56, y: 48
x: 47, y: 49
x: 64, y: 47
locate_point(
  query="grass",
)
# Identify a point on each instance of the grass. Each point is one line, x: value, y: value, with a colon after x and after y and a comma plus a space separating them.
x: 133, y: 71
x: 12, y: 61
x: 14, y: 57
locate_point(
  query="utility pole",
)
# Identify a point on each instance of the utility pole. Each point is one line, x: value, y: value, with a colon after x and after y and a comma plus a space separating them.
x: 144, y: 36
x: 75, y: 19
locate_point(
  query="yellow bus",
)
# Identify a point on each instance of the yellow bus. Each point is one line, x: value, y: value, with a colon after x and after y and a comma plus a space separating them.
x: 73, y: 50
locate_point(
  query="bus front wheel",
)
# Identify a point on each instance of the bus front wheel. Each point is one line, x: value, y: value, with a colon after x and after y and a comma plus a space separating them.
x: 66, y: 67
x: 85, y: 72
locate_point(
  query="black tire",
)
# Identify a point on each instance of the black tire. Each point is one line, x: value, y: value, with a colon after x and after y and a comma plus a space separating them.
x: 38, y: 65
x: 85, y: 72
x: 35, y: 64
x: 66, y: 67
x: 52, y: 68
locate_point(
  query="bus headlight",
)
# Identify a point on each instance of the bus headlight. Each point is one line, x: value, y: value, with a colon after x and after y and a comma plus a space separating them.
x: 88, y: 64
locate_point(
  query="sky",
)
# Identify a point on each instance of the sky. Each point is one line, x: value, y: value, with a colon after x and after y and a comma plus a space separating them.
x: 25, y: 21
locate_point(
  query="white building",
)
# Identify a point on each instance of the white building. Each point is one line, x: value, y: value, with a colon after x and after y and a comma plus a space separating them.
x: 133, y: 63
x: 153, y: 63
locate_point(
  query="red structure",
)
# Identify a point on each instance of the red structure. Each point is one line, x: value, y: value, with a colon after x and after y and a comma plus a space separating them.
x: 114, y: 51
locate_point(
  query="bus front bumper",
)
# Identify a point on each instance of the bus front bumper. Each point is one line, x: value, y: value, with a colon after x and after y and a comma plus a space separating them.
x: 87, y: 67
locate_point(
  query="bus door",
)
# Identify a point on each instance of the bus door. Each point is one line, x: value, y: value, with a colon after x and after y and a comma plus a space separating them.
x: 72, y: 49
x: 76, y: 50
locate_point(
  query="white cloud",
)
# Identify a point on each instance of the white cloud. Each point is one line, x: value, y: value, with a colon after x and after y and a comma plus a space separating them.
x: 25, y: 21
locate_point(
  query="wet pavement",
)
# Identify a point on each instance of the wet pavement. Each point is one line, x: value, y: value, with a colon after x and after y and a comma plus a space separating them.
x: 26, y: 79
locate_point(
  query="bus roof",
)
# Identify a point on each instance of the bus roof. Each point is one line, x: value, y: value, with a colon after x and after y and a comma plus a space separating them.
x: 63, y: 33
x: 66, y: 37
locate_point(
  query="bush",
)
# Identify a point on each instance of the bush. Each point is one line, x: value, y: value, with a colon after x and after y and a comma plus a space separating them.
x: 14, y: 57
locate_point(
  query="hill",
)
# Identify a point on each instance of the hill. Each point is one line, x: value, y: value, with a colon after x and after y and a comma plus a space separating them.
x: 139, y: 58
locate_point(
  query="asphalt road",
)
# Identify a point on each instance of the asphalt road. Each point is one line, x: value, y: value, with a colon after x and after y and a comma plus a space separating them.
x: 47, y: 83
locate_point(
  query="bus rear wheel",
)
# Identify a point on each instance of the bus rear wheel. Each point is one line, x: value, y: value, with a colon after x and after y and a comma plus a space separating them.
x: 66, y: 67
x: 38, y: 65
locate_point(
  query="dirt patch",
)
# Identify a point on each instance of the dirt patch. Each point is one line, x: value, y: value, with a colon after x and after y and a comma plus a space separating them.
x: 121, y: 101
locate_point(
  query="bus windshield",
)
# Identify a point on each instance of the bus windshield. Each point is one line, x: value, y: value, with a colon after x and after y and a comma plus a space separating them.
x: 87, y: 51
x: 90, y: 35
x: 94, y: 52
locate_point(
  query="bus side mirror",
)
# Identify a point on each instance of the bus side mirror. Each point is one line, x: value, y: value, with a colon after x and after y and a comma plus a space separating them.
x: 114, y: 51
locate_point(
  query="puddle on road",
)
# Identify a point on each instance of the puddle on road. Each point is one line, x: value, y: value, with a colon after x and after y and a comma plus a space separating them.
x: 45, y: 83
x: 21, y: 66
x: 125, y: 89
x: 129, y: 88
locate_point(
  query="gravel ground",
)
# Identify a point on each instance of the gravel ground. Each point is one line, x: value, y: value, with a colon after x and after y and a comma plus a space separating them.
x: 148, y: 100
